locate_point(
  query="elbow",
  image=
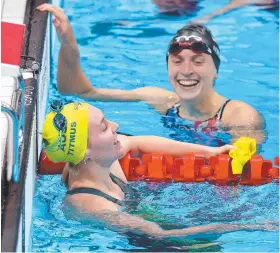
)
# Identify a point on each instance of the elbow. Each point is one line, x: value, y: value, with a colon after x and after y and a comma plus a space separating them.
x: 64, y: 91
x: 66, y: 88
x: 157, y: 232
x: 63, y: 85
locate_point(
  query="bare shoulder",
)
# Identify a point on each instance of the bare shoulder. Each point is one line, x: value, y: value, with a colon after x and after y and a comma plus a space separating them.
x: 159, y: 98
x: 87, y: 203
x: 239, y: 113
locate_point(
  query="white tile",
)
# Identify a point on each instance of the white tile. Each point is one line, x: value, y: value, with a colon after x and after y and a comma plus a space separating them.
x: 6, y: 91
x: 9, y: 70
x: 3, y: 144
x: 15, y: 20
x: 3, y: 136
x: 14, y: 9
x: 2, y: 8
x: 4, y: 127
x: 8, y: 81
x: 7, y: 100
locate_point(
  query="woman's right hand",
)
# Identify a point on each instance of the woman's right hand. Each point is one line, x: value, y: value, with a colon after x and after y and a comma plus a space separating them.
x: 62, y: 25
x: 220, y: 150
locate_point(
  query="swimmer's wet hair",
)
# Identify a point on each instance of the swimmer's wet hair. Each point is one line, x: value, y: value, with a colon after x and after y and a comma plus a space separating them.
x: 207, y: 36
x: 196, y: 28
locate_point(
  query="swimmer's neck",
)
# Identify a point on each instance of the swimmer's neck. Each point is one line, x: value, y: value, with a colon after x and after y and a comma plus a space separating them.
x: 201, y: 108
x: 93, y: 174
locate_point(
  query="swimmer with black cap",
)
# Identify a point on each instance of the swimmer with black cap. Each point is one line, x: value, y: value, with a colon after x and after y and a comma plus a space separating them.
x: 197, y: 39
x: 79, y: 134
x: 193, y: 63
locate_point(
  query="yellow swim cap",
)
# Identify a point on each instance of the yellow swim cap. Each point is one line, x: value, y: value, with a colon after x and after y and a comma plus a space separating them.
x: 70, y: 144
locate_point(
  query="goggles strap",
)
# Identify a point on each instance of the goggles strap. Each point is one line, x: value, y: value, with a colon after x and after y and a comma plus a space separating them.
x: 57, y: 144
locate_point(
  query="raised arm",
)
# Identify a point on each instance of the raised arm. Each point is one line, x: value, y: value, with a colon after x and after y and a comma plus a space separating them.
x: 155, y: 144
x: 232, y: 5
x: 72, y: 80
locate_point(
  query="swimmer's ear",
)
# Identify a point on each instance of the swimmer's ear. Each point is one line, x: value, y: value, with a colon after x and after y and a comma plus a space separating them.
x: 87, y: 156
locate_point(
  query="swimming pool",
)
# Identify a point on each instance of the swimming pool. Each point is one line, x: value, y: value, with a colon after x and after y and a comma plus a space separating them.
x: 127, y: 50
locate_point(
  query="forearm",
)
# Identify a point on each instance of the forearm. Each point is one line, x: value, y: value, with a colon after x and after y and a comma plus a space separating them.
x: 68, y: 68
x: 155, y: 144
x: 132, y: 223
x: 235, y: 4
x: 115, y: 95
x: 70, y: 76
x: 69, y: 55
x: 213, y: 229
x: 138, y: 225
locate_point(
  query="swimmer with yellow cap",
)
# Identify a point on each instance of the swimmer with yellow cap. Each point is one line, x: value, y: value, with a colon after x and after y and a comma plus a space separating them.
x: 65, y: 132
x: 80, y: 134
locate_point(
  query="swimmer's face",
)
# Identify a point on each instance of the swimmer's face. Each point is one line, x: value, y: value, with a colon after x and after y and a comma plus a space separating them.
x: 103, y: 144
x: 191, y: 74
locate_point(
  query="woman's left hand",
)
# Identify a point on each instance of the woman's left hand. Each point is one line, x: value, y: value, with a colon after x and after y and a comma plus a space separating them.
x: 61, y: 22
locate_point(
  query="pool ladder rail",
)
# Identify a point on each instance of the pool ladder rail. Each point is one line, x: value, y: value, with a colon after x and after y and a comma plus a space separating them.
x: 15, y: 120
x: 159, y: 167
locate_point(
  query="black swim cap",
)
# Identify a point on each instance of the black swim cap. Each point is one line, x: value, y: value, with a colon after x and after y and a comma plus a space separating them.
x: 199, y: 33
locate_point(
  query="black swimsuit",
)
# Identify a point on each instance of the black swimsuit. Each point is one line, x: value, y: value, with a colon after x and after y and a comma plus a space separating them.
x: 124, y: 187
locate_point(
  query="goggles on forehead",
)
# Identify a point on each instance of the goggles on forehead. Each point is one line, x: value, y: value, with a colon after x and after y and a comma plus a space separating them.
x: 59, y: 122
x: 196, y: 46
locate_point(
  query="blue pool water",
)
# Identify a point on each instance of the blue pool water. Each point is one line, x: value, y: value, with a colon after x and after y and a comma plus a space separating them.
x: 123, y: 45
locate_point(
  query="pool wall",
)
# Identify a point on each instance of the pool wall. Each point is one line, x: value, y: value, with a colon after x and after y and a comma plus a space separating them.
x: 34, y: 75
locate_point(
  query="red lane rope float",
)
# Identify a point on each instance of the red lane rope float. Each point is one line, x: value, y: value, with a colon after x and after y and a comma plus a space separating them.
x: 160, y: 167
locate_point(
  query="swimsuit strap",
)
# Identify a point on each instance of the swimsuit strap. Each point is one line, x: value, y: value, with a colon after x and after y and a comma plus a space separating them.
x: 118, y: 182
x: 218, y: 115
x: 176, y: 108
x: 221, y: 110
x: 173, y: 110
x: 114, y: 178
x: 94, y: 191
